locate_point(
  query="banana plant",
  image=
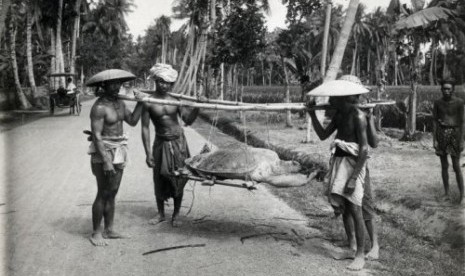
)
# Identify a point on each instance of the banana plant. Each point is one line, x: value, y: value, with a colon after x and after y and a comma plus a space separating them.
x: 410, y: 31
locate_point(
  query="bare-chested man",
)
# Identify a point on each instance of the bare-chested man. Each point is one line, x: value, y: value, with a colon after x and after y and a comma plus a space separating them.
x: 448, y: 133
x: 348, y: 165
x: 108, y: 156
x: 170, y: 146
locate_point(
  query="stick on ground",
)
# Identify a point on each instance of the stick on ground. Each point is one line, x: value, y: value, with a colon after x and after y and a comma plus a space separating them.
x: 173, y: 247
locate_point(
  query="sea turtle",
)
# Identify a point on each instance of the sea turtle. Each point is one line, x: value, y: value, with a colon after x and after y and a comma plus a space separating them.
x: 248, y: 163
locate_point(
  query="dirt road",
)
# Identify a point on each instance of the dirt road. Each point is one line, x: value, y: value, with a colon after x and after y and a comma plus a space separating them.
x: 46, y: 194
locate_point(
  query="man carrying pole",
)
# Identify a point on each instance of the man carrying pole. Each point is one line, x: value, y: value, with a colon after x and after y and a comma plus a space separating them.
x: 347, y: 170
x: 170, y: 147
x: 108, y: 149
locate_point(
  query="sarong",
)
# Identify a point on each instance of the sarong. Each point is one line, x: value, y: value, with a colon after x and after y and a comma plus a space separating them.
x: 340, y: 171
x: 169, y: 153
x: 116, y: 149
x: 447, y: 140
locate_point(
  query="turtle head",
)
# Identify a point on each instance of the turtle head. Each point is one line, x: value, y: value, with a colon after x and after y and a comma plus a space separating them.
x: 290, y: 166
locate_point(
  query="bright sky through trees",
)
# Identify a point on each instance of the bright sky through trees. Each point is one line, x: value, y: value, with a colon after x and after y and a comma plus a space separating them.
x: 147, y: 10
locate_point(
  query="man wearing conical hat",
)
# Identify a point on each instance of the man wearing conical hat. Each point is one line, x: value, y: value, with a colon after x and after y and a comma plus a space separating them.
x: 108, y: 152
x: 169, y: 149
x: 347, y: 172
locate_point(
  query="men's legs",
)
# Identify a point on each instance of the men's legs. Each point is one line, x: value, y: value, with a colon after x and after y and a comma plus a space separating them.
x: 445, y: 173
x: 368, y: 211
x: 98, y: 206
x: 458, y: 174
x: 350, y: 230
x: 111, y: 190
x: 373, y: 254
x: 359, y: 261
x: 177, y: 207
x: 161, y: 209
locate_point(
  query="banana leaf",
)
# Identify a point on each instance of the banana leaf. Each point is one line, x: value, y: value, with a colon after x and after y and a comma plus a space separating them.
x: 423, y: 18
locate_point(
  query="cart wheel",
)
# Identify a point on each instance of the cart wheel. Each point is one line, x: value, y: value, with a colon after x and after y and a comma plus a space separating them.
x: 77, y: 105
x: 52, y: 107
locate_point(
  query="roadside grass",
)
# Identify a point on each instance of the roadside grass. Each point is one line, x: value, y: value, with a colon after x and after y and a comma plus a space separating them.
x: 415, y: 238
x: 403, y: 252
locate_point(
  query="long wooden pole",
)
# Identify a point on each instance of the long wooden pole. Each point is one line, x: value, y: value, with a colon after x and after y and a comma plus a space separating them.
x: 193, y: 99
x: 256, y: 107
x: 218, y: 106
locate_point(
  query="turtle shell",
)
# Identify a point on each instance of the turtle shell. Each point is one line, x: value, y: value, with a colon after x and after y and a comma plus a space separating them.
x: 226, y: 163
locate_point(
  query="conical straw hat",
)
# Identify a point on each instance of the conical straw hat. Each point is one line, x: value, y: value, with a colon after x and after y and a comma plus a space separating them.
x: 338, y: 88
x: 110, y: 75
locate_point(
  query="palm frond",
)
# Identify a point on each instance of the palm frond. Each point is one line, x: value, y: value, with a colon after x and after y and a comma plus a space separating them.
x: 423, y: 18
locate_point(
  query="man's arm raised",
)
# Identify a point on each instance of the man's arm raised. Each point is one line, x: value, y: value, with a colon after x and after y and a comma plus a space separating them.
x: 323, y: 133
x: 132, y: 117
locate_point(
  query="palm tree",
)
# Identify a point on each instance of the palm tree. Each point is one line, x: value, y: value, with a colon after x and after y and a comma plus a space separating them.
x: 162, y: 25
x: 412, y: 27
x: 108, y: 19
x: 31, y: 13
x: 4, y: 7
x: 338, y: 54
x: 75, y: 35
x: 200, y: 25
x: 14, y: 10
x: 59, y: 59
x: 360, y: 29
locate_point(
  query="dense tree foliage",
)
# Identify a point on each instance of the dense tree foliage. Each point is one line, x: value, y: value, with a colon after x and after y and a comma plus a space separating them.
x: 383, y: 46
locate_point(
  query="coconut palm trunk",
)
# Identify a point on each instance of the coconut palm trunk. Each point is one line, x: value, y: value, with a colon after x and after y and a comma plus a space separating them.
x: 338, y: 54
x: 30, y: 64
x: 324, y: 53
x: 60, y: 64
x: 53, y: 59
x: 4, y: 7
x: 411, y: 119
x: 75, y: 35
x: 288, y: 93
x: 23, y: 101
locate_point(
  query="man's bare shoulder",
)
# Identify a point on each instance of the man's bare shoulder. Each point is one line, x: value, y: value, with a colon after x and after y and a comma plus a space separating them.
x: 359, y: 116
x: 99, y: 108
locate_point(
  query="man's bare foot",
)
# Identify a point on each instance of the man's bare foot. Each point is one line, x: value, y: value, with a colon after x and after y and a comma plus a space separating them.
x: 344, y: 255
x: 445, y: 198
x: 175, y: 222
x: 97, y: 239
x: 110, y: 234
x: 373, y: 254
x: 357, y: 264
x: 353, y: 245
x: 157, y: 220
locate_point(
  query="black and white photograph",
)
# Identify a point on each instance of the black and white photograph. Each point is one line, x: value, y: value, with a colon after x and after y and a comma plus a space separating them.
x: 232, y: 137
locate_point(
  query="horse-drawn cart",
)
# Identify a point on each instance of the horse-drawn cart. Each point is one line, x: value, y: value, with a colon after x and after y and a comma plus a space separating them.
x: 60, y: 97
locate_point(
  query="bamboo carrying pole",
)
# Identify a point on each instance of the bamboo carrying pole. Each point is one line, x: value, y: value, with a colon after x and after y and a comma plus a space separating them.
x: 248, y: 107
x: 189, y: 98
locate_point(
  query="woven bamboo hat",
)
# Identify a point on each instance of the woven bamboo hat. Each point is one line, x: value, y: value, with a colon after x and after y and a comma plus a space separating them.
x: 345, y: 86
x: 110, y: 75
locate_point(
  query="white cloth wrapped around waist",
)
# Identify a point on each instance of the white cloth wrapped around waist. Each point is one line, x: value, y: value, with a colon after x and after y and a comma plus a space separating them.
x: 117, y: 147
x: 340, y: 171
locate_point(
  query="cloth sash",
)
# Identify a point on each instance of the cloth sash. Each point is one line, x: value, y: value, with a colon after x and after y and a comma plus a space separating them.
x: 340, y: 171
x: 115, y: 147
